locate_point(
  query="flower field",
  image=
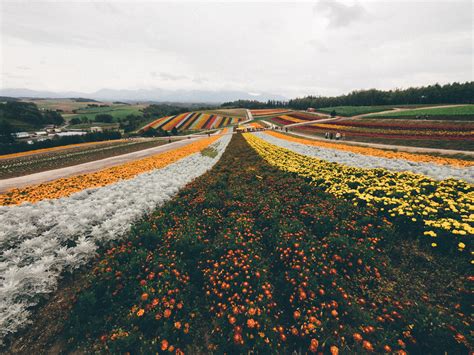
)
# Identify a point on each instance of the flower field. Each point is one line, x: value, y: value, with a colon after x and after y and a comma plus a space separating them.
x: 294, y: 117
x: 267, y: 112
x: 70, y: 219
x: 193, y: 121
x: 402, y: 130
x: 53, y: 158
x: 250, y: 258
x: 441, y: 211
x: 260, y: 242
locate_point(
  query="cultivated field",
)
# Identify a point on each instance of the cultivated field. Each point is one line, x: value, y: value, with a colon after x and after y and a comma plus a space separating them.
x: 54, y: 158
x: 234, y: 243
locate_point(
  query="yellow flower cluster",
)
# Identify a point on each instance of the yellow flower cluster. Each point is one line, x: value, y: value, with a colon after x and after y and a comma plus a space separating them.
x: 424, y: 158
x: 445, y: 208
x: 69, y: 185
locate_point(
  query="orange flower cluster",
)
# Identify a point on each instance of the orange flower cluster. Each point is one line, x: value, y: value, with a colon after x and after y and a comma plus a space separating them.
x: 69, y: 185
x: 377, y: 152
x: 44, y: 150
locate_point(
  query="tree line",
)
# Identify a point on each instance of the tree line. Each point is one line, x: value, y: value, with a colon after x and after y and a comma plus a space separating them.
x: 28, y: 112
x: 455, y: 93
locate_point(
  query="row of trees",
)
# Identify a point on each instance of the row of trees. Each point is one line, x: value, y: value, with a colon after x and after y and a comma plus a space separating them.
x: 455, y: 93
x: 254, y: 104
x: 7, y: 146
x: 29, y: 113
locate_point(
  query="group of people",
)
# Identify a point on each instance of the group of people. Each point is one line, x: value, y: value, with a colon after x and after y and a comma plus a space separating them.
x: 331, y: 135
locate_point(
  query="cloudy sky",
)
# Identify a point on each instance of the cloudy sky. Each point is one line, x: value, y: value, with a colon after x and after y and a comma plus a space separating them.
x: 321, y: 47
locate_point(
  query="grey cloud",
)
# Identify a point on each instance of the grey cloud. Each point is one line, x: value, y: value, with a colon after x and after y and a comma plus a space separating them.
x: 338, y: 13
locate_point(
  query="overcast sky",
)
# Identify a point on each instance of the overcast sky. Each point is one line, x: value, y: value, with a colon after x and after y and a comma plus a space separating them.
x: 321, y: 47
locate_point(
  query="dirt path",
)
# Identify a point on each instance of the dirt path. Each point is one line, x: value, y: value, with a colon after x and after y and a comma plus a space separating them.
x: 392, y: 147
x: 89, y: 167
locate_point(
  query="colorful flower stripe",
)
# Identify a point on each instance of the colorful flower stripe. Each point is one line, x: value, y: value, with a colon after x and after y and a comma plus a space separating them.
x: 193, y: 121
x: 377, y: 152
x: 156, y: 123
x: 421, y: 132
x: 67, y: 186
x: 63, y: 147
x: 443, y: 211
x: 39, y: 242
x: 265, y: 112
x: 388, y: 134
x: 437, y: 172
x: 409, y: 125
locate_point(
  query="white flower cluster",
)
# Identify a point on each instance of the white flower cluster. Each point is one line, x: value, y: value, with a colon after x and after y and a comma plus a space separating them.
x: 38, y: 242
x: 435, y: 171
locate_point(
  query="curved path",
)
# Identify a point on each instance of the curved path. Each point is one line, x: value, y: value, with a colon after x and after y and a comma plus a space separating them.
x: 89, y: 167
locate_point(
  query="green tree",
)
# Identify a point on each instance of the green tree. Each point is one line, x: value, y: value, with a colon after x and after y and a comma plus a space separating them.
x: 103, y: 117
x: 6, y: 132
x: 75, y: 120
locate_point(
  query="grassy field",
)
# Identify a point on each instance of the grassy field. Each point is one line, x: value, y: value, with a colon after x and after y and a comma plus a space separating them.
x: 65, y: 105
x: 117, y: 111
x: 464, y: 112
x: 349, y: 111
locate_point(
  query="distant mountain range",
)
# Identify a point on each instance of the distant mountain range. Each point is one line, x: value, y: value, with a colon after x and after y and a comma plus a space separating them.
x: 156, y: 95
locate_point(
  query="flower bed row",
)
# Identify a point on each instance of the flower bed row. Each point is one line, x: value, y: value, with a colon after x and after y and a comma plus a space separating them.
x: 191, y: 121
x: 417, y: 158
x: 267, y: 112
x: 38, y: 242
x: 248, y: 258
x: 441, y: 212
x: 55, y: 159
x: 409, y: 125
x: 420, y: 134
x: 295, y: 117
x: 67, y: 186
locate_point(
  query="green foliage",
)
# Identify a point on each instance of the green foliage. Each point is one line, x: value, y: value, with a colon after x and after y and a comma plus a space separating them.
x: 90, y: 137
x: 29, y: 113
x: 103, y: 117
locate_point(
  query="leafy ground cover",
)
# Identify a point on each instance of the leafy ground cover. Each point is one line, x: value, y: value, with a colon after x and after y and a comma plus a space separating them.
x: 251, y: 258
x: 55, y: 159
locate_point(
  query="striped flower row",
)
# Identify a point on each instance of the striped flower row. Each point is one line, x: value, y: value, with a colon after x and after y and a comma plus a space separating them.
x: 39, y: 242
x: 192, y: 121
x: 354, y: 157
